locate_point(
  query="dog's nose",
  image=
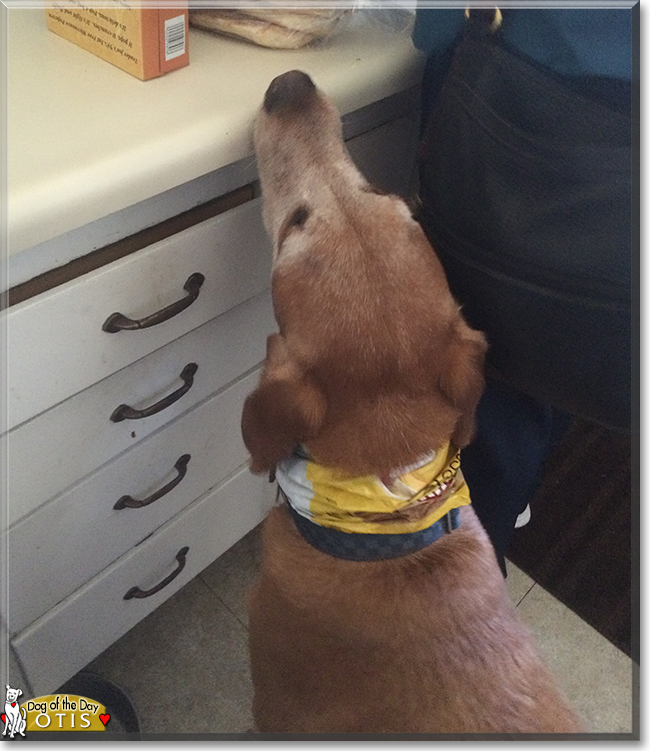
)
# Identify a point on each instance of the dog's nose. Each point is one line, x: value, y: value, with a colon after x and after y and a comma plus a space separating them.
x: 291, y: 89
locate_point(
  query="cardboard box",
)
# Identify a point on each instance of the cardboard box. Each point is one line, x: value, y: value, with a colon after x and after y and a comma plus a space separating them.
x: 145, y: 42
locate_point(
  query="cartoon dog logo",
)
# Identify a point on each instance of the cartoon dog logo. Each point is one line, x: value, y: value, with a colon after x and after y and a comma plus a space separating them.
x: 14, y: 721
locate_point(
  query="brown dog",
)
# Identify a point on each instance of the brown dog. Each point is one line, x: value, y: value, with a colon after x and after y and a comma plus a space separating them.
x: 373, y: 372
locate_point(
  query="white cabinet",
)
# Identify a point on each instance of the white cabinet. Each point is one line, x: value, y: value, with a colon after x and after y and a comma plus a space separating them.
x: 77, y: 436
x: 185, y: 460
x: 90, y: 620
x: 124, y: 446
x: 126, y: 467
x: 64, y: 325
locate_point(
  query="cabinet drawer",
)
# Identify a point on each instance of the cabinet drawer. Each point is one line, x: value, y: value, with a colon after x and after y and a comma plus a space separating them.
x: 56, y: 345
x: 78, y: 534
x: 74, y: 438
x: 78, y: 629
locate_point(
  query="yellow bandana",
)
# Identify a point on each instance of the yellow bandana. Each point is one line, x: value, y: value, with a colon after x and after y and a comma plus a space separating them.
x: 410, y: 502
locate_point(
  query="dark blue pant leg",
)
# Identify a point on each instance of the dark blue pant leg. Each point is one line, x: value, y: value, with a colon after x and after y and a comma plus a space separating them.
x: 503, y: 465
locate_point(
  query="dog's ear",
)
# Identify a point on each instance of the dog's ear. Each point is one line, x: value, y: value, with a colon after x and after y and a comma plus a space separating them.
x: 285, y: 409
x: 462, y: 380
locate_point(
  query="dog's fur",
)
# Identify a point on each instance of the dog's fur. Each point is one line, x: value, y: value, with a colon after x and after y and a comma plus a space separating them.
x: 373, y: 367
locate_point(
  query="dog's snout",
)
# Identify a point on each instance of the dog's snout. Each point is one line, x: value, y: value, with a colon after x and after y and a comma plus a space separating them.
x: 291, y: 89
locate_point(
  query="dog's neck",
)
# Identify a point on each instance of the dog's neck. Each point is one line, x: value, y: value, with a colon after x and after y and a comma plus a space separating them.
x: 367, y: 518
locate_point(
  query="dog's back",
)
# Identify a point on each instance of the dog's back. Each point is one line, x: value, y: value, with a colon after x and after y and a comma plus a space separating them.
x: 428, y: 643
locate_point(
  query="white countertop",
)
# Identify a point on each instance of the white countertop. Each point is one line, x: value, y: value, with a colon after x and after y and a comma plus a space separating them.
x: 86, y: 139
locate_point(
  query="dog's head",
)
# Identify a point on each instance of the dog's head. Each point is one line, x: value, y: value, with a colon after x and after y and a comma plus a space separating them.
x: 373, y: 365
x: 12, y: 694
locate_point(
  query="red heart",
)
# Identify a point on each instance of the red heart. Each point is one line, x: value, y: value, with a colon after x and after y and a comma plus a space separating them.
x: 13, y: 703
x: 4, y: 717
x: 104, y: 718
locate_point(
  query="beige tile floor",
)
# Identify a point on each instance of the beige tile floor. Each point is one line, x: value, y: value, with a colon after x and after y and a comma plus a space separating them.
x: 185, y: 666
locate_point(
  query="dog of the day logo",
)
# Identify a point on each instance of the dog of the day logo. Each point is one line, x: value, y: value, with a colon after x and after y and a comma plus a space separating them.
x: 55, y: 712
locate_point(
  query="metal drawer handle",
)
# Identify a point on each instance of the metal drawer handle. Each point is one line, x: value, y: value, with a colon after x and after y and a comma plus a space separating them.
x: 126, y: 501
x: 124, y: 412
x: 118, y: 322
x: 140, y: 593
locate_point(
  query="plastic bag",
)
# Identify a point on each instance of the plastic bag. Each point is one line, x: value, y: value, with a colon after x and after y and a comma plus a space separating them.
x: 268, y: 26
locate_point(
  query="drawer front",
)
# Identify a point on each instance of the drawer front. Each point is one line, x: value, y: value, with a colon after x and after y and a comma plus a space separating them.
x: 46, y: 455
x: 78, y: 534
x: 78, y: 629
x: 62, y: 329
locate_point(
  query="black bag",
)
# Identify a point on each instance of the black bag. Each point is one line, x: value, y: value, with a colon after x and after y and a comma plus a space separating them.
x: 526, y: 194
